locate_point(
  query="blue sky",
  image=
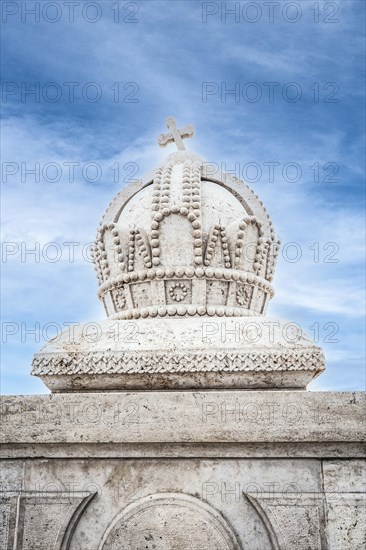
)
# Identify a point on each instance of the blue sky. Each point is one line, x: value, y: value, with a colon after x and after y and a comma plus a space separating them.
x: 130, y: 70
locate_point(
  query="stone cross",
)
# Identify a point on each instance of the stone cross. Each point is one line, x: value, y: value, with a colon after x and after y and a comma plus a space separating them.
x: 175, y: 135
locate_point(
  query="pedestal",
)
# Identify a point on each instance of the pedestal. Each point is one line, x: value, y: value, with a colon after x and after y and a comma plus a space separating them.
x: 193, y: 470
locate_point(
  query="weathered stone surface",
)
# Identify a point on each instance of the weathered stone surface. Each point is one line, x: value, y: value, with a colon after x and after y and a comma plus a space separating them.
x: 161, y: 521
x: 345, y: 489
x: 233, y: 352
x: 178, y: 417
x: 238, y: 503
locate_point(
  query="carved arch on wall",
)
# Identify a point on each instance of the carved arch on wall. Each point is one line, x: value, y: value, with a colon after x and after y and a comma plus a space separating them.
x: 64, y: 537
x: 263, y: 516
x: 30, y: 518
x: 195, y: 505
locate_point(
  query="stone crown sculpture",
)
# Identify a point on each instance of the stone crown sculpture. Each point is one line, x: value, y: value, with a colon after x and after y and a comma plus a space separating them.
x: 181, y: 246
x: 185, y: 244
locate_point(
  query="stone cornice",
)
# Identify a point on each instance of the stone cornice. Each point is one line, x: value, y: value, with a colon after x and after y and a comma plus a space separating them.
x: 131, y: 362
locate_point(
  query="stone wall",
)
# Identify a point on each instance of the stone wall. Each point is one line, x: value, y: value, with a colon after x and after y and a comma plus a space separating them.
x: 251, y: 470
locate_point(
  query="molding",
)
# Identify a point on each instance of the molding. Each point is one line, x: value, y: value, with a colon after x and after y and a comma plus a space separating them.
x: 259, y: 360
x: 174, y: 272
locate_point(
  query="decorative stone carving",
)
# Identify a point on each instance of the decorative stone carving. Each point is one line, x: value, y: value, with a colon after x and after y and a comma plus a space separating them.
x: 165, y: 521
x: 180, y: 352
x: 175, y: 134
x: 120, y: 298
x: 178, y: 291
x: 243, y: 294
x: 183, y: 233
x: 174, y: 251
x: 185, y: 263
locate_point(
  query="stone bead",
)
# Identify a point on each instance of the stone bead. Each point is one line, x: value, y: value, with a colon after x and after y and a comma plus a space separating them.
x: 144, y: 312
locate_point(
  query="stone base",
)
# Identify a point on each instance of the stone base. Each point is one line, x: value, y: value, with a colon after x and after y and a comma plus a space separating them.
x: 224, y: 380
x: 184, y: 470
x: 190, y: 353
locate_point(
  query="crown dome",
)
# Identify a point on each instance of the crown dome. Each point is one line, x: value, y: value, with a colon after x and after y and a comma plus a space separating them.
x: 181, y: 242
